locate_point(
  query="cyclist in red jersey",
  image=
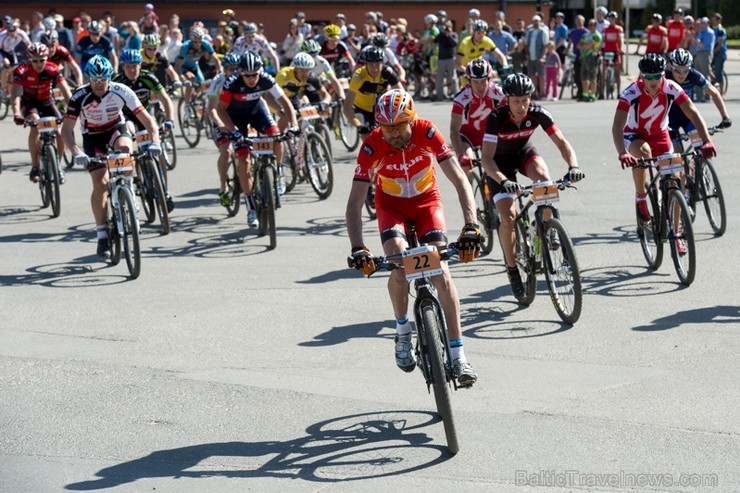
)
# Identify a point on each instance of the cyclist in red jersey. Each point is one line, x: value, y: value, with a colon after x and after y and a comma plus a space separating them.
x: 399, y: 157
x: 676, y: 30
x: 640, y: 127
x: 31, y: 98
x: 656, y: 35
x: 470, y: 109
x: 613, y: 43
x: 507, y: 150
x: 60, y: 55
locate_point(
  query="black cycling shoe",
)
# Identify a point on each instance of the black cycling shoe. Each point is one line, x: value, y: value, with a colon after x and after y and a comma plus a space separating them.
x: 34, y: 175
x: 103, y: 249
x: 170, y: 203
x: 517, y: 286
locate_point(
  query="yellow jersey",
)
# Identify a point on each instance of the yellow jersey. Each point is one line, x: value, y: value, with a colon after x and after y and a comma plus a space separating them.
x: 368, y: 88
x: 469, y: 51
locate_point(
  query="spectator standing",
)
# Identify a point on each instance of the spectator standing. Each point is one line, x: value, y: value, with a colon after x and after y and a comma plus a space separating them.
x: 601, y: 22
x: 503, y: 40
x: 720, y: 49
x: 291, y: 44
x: 304, y: 27
x: 656, y: 36
x: 589, y: 46
x: 148, y: 24
x: 676, y: 29
x: 518, y: 56
x: 561, y: 36
x: 353, y: 42
x: 341, y: 21
x: 536, y: 40
x: 447, y: 42
x: 688, y: 33
x: 66, y: 38
x: 704, y: 50
x: 552, y: 71
x: 574, y: 39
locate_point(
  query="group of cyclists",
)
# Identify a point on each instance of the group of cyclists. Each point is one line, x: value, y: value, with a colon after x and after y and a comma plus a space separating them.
x: 400, y: 148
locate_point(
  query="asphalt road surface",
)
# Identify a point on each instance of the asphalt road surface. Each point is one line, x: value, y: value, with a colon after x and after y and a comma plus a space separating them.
x: 229, y: 367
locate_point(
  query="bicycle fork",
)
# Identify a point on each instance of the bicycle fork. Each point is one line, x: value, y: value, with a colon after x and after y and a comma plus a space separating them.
x: 425, y: 297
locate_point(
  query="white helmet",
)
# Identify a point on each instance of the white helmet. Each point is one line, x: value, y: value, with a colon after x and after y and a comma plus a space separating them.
x: 303, y: 60
x: 431, y: 18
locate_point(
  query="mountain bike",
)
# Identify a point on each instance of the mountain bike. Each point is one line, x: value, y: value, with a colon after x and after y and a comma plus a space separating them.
x: 4, y: 103
x: 192, y: 116
x: 265, y: 182
x: 121, y: 222
x: 610, y: 76
x: 307, y: 157
x: 702, y: 183
x: 49, y: 174
x: 546, y: 247
x: 486, y: 211
x: 420, y: 263
x: 166, y: 136
x: 568, y: 81
x: 670, y: 218
x: 149, y: 183
x: 343, y: 129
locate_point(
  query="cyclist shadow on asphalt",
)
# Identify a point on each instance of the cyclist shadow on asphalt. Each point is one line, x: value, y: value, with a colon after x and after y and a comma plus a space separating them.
x: 628, y: 281
x: 708, y: 316
x: 348, y: 448
x: 340, y: 335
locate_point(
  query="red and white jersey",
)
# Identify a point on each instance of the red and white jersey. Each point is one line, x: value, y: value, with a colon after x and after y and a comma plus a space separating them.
x: 648, y: 115
x: 475, y: 111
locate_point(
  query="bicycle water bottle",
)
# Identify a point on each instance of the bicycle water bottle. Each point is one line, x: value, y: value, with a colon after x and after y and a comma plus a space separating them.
x: 537, y: 251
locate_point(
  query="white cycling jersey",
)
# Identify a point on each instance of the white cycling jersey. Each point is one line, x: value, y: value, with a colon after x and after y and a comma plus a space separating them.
x: 101, y: 114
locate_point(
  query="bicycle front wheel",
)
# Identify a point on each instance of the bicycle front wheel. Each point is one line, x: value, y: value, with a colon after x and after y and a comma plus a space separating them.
x: 145, y: 188
x: 681, y: 237
x: 650, y: 233
x: 160, y: 198
x: 714, y: 201
x: 287, y: 168
x: 114, y: 239
x: 53, y: 180
x: 348, y: 133
x: 525, y: 264
x: 325, y: 134
x: 131, y: 247
x: 233, y: 188
x: 485, y: 212
x: 189, y: 123
x: 4, y: 105
x: 267, y: 200
x: 562, y: 272
x: 169, y: 150
x: 432, y: 331
x: 319, y: 166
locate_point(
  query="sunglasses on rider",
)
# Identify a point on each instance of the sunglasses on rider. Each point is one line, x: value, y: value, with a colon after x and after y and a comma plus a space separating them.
x: 99, y: 80
x: 249, y: 75
x: 657, y: 76
x: 38, y: 60
x: 681, y: 70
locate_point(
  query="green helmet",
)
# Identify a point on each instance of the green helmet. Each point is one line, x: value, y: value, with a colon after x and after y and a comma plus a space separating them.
x: 311, y: 47
x: 150, y: 40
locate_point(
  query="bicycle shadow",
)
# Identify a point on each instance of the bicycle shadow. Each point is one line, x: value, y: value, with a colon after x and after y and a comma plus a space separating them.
x: 24, y: 214
x: 344, y: 333
x: 348, y: 448
x: 77, y: 273
x: 721, y: 314
x: 628, y: 280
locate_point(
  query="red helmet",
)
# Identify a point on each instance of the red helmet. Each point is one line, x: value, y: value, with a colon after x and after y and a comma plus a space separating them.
x: 38, y: 50
x: 394, y: 107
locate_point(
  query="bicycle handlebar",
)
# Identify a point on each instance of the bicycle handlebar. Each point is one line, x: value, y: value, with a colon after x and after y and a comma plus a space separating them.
x: 562, y: 184
x: 711, y: 130
x: 388, y: 262
x: 33, y: 123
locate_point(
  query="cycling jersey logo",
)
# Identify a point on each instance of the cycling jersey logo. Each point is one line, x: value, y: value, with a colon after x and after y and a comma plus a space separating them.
x: 367, y: 149
x: 652, y: 112
x: 430, y: 132
x: 528, y: 123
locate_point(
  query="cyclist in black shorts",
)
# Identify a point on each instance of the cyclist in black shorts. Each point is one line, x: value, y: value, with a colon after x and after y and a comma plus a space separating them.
x: 507, y: 149
x: 145, y: 85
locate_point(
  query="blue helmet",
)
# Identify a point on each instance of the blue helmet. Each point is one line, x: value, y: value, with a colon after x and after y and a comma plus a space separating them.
x: 131, y: 56
x: 230, y: 60
x: 99, y: 66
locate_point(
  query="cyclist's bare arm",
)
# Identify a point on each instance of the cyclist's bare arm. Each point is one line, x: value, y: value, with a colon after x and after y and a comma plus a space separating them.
x: 349, y: 105
x: 620, y: 120
x: 488, y: 150
x: 500, y: 57
x: 718, y: 101
x: 353, y: 213
x: 16, y: 92
x: 454, y: 172
x: 566, y: 150
x: 224, y: 116
x: 113, y: 60
x: 287, y: 107
x: 458, y: 63
x: 76, y: 71
x: 68, y: 135
x: 150, y: 124
x: 338, y: 89
x: 169, y: 109
x: 66, y: 93
x: 172, y: 73
x: 455, y: 140
x: 213, y: 114
x: 273, y: 56
x: 178, y: 65
x: 693, y: 114
x: 351, y: 62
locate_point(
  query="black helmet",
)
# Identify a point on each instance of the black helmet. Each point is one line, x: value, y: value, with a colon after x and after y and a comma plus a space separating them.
x: 680, y: 58
x: 517, y: 85
x: 49, y: 38
x: 652, y: 63
x: 372, y: 54
x: 250, y: 62
x: 380, y: 40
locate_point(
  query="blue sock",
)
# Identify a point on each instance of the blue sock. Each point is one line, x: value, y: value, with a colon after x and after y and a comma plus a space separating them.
x: 456, y: 350
x: 403, y: 326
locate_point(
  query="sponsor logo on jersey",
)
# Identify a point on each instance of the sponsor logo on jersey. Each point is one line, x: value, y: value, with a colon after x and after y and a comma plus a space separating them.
x: 367, y: 149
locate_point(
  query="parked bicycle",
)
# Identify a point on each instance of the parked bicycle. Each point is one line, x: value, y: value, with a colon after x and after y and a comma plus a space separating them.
x: 192, y: 116
x: 670, y: 218
x: 568, y: 81
x: 610, y: 76
x: 121, y: 221
x: 307, y: 157
x: 702, y: 183
x: 546, y: 247
x: 149, y: 182
x: 420, y: 264
x: 50, y: 176
x: 486, y: 211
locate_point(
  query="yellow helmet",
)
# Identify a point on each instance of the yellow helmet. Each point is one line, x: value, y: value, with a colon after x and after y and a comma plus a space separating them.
x: 332, y: 30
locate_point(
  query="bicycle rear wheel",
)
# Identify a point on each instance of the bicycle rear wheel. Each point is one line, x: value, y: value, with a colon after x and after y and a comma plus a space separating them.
x: 714, y: 202
x: 189, y: 123
x: 114, y: 239
x: 681, y: 237
x: 287, y: 167
x: 650, y: 233
x: 234, y: 188
x: 525, y: 264
x: 52, y: 180
x: 370, y: 202
x: 325, y: 134
x: 4, y: 105
x: 485, y: 211
x: 348, y: 133
x: 562, y: 272
x: 145, y: 183
x: 131, y: 246
x: 433, y: 326
x: 319, y: 166
x: 267, y: 203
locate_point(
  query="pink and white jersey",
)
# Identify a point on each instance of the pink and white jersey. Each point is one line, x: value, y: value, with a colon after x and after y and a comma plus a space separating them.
x: 257, y: 45
x: 648, y: 115
x: 475, y: 111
